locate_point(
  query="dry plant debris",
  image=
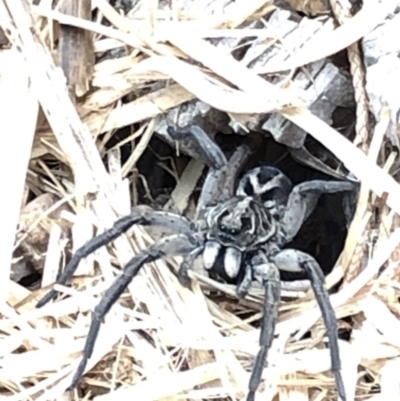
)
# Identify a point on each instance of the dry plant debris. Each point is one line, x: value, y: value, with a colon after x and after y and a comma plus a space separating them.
x: 171, y: 62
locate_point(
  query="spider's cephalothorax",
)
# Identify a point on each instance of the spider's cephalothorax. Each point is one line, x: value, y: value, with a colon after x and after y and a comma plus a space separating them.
x: 236, y: 227
x: 241, y: 235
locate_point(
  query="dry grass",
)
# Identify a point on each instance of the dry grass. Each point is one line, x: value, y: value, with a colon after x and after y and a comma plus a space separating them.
x: 195, y: 347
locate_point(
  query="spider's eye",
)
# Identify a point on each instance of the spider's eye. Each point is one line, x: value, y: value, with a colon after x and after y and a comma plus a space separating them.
x: 231, y: 231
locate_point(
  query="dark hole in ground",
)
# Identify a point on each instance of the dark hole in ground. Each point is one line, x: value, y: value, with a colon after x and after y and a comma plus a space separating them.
x: 322, y: 235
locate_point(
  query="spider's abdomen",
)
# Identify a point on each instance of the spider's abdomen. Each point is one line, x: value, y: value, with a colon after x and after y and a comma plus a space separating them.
x: 269, y: 186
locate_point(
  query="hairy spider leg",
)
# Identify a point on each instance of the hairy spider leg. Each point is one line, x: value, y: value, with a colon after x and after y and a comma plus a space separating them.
x: 321, y: 294
x: 213, y: 154
x: 140, y: 215
x: 292, y: 260
x: 303, y: 199
x: 219, y: 184
x: 268, y: 274
x: 172, y: 245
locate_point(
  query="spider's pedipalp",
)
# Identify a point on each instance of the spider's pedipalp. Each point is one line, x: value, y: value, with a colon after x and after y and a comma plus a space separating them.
x: 141, y: 215
x: 210, y: 254
x: 232, y: 262
x: 288, y: 260
x: 172, y: 245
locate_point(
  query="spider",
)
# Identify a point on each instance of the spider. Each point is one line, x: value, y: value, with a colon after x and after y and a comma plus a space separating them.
x: 241, y: 236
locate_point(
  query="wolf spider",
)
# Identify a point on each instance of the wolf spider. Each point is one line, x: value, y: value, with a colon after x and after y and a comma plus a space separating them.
x: 240, y: 235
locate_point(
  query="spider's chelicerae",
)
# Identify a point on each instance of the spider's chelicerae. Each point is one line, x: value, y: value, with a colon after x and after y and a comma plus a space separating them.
x: 241, y: 237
